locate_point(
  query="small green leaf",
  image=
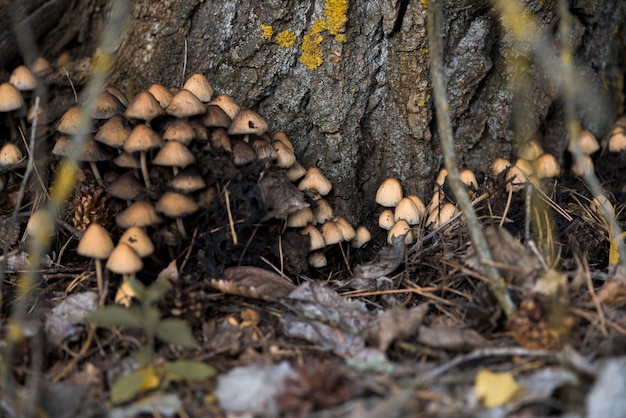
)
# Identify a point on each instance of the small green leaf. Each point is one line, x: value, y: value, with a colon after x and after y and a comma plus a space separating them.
x: 156, y: 291
x: 143, y: 355
x: 190, y: 370
x: 127, y: 387
x: 115, y: 316
x: 175, y: 331
x: 138, y: 287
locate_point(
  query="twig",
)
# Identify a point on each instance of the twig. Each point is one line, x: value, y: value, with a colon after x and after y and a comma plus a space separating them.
x: 447, y: 145
x: 231, y: 222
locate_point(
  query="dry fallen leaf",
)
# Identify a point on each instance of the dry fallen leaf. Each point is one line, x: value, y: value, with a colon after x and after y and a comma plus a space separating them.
x: 495, y: 389
x: 398, y: 323
x: 253, y: 282
x: 450, y: 338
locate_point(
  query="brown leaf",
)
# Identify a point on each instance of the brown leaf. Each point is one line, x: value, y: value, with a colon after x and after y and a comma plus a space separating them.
x: 398, y: 323
x: 450, y: 338
x: 386, y: 261
x: 253, y: 282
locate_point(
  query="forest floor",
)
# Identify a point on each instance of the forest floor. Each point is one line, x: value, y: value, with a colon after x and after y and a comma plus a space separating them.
x: 228, y: 318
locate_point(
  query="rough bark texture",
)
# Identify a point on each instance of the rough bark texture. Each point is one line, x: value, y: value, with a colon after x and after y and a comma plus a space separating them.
x: 366, y: 112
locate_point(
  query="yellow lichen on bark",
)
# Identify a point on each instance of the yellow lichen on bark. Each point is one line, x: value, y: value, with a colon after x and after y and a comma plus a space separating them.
x: 285, y: 39
x: 312, y: 56
x: 266, y: 31
x: 336, y: 14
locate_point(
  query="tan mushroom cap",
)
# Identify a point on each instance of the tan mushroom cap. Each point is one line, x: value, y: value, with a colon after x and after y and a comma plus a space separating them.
x: 468, y: 178
x: 582, y: 166
x: 263, y: 149
x: 295, y: 172
x: 227, y: 104
x: 400, y: 228
x: 389, y: 193
x: 140, y: 213
x: 331, y: 233
x: 441, y: 177
x: 40, y: 67
x: 124, y: 260
x: 362, y: 237
x: 106, y: 105
x: 126, y: 187
x: 174, y: 154
x: 617, y: 140
x: 176, y: 205
x: 23, y: 79
x: 242, y: 153
x: 406, y: 209
x: 282, y: 137
x: 215, y: 117
x: 419, y: 204
x: 138, y: 240
x: 386, y: 219
x: 10, y: 154
x: 316, y: 239
x: 284, y: 157
x: 442, y: 215
x: 530, y: 150
x: 185, y: 104
x: 248, y: 122
x: 499, y: 165
x: 126, y: 160
x: 144, y: 107
x: 199, y: 86
x: 119, y: 95
x: 187, y: 181
x: 114, y: 132
x: 317, y: 259
x: 179, y: 130
x: 95, y: 243
x: 220, y: 139
x: 601, y: 206
x: 347, y: 231
x: 142, y: 138
x: 91, y: 150
x: 323, y: 211
x: 10, y: 98
x: 314, y: 180
x: 546, y: 166
x: 515, y: 179
x: 70, y: 122
x: 300, y: 218
x: 588, y: 143
x: 161, y: 94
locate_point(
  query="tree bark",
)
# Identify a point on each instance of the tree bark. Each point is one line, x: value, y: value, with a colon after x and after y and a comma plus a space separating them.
x: 366, y: 112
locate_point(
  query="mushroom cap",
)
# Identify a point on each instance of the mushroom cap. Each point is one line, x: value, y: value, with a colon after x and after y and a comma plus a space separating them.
x: 315, y: 180
x: 263, y: 149
x: 600, y: 204
x: 124, y: 260
x: 10, y: 98
x: 106, y: 105
x: 282, y: 137
x: 10, y: 154
x: 126, y: 187
x: 317, y: 259
x: 323, y: 211
x: 530, y: 150
x: 138, y: 240
x: 40, y: 67
x: 199, y: 86
x: 499, y: 165
x: 389, y: 193
x: 242, y: 153
x: 227, y: 104
x: 546, y: 166
x: 161, y: 94
x: 248, y: 122
x: 220, y: 139
x: 441, y: 177
x: 119, y: 95
x: 23, y: 79
x: 419, y: 204
x: 347, y: 231
x: 582, y: 166
x: 142, y: 138
x: 468, y: 178
x: 406, y: 209
x: 386, y: 219
x: 215, y: 117
x: 401, y: 227
x: 126, y: 160
x: 42, y: 222
x: 174, y: 154
x: 95, y: 243
x: 70, y: 122
x: 331, y: 233
x: 176, y: 205
x: 617, y: 140
x: 90, y: 151
x: 187, y: 181
x: 362, y: 237
x: 144, y: 106
x: 588, y: 143
x: 441, y: 215
x: 114, y: 132
x: 316, y: 239
x: 140, y: 213
x: 295, y: 172
x: 179, y: 130
x: 199, y: 129
x: 300, y: 218
x: 284, y: 157
x: 185, y: 104
x: 515, y: 177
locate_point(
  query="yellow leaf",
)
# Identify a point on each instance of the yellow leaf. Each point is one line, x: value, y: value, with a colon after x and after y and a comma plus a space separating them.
x: 614, y: 249
x: 495, y: 389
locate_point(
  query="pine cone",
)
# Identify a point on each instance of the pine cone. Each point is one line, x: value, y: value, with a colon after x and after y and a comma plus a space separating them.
x: 91, y: 204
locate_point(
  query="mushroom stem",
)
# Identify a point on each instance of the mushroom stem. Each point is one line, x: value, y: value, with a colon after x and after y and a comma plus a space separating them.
x: 144, y: 168
x: 181, y: 227
x: 99, y: 279
x: 96, y: 172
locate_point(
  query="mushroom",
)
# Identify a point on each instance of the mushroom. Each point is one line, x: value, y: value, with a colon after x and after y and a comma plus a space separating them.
x: 126, y: 187
x: 317, y: 259
x: 530, y: 150
x: 185, y: 104
x: 199, y: 86
x: 96, y: 243
x: 407, y: 210
x: 264, y: 150
x: 138, y: 240
x: 389, y: 193
x: 125, y: 261
x: 118, y: 95
x: 144, y: 107
x: 442, y: 215
x: 421, y: 208
x: 587, y: 142
x: 40, y: 67
x: 142, y: 139
x: 295, y: 172
x: 140, y: 213
x: 315, y: 183
x: 323, y: 211
x: 285, y: 158
x: 161, y: 94
x: 175, y: 155
x: 10, y: 101
x: 546, y: 166
x: 242, y: 153
x: 227, y: 104
x: 106, y: 105
x: 176, y: 205
x: 282, y: 137
x: 90, y: 152
x: 10, y: 154
x: 247, y: 122
x: 300, y: 218
x: 468, y: 178
x: 515, y: 179
x: 401, y: 228
x: 316, y: 239
x: 71, y: 122
x: 23, y: 79
x: 582, y: 166
x: 617, y: 140
x: 499, y: 165
x: 179, y: 130
x: 347, y: 231
x: 215, y: 117
x: 188, y: 181
x: 113, y: 132
x: 386, y: 219
x: 362, y: 237
x: 331, y: 233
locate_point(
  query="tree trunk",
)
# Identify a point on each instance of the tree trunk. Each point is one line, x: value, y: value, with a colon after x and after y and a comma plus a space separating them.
x: 366, y: 112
